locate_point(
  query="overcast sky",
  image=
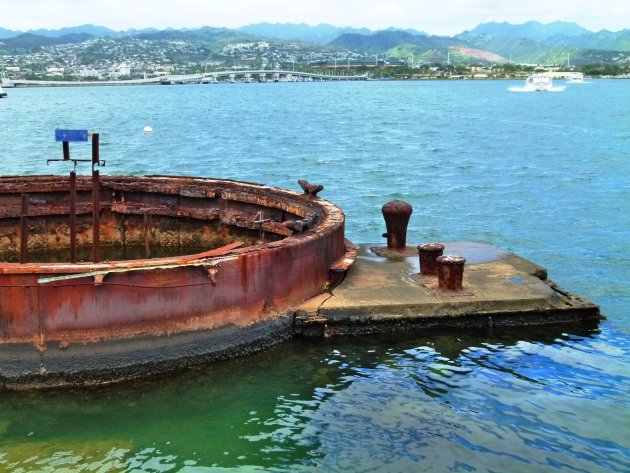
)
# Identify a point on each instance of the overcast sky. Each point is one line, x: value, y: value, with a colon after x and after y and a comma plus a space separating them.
x: 442, y: 17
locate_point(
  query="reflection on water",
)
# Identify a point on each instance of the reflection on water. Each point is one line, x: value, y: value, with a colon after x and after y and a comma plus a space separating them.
x: 530, y: 400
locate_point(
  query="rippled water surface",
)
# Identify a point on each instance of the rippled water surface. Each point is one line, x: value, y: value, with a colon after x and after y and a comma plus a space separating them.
x: 543, y: 175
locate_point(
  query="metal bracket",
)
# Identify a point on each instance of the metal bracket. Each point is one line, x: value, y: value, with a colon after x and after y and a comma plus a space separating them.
x: 98, y: 278
x: 74, y: 161
x: 259, y: 218
x: 212, y: 273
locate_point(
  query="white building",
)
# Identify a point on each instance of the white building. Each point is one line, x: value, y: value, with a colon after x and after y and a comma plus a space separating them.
x: 120, y: 70
x: 123, y: 70
x: 54, y: 71
x: 89, y: 73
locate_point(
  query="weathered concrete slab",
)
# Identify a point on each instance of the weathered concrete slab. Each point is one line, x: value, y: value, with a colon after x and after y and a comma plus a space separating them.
x: 384, y: 291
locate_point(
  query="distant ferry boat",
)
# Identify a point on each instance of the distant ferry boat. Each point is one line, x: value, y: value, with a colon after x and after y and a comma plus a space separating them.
x: 576, y: 78
x: 539, y: 82
x: 2, y: 93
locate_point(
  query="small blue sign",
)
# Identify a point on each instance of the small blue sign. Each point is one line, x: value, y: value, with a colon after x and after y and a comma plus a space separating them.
x: 71, y: 135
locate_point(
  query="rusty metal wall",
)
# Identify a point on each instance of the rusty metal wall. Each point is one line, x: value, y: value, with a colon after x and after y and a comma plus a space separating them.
x: 130, y: 299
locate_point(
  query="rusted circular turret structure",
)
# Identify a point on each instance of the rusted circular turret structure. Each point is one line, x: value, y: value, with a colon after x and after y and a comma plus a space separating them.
x: 166, y: 273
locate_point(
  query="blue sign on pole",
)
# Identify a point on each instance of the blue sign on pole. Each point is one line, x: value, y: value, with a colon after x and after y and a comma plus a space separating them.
x: 71, y: 135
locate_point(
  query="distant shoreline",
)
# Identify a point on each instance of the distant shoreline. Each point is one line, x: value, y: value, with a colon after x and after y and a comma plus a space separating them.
x: 260, y: 76
x: 59, y: 84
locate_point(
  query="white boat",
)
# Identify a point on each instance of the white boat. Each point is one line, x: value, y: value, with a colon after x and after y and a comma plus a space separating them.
x: 539, y: 82
x: 2, y: 93
x: 577, y: 78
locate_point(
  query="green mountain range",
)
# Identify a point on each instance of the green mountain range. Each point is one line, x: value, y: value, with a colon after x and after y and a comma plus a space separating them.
x: 531, y: 42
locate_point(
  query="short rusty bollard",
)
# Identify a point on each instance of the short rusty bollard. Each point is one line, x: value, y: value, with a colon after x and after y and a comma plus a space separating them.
x: 428, y: 253
x: 450, y: 272
x: 396, y: 214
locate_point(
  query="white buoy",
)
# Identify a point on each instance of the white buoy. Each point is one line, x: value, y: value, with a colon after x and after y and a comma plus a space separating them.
x: 148, y: 129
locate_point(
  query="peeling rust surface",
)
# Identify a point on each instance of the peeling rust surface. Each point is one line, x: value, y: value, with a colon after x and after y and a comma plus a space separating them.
x: 342, y: 265
x: 250, y: 266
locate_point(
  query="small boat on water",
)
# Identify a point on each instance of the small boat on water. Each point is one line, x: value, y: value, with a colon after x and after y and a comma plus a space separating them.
x: 577, y: 78
x: 539, y: 82
x: 2, y: 93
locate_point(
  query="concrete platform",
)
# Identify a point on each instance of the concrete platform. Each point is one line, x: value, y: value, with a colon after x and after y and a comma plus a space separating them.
x: 383, y: 291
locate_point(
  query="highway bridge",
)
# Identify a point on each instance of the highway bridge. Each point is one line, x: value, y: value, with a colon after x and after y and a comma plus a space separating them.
x: 205, y: 78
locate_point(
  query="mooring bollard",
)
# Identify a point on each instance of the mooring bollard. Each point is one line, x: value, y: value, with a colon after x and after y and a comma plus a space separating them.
x: 450, y: 272
x: 428, y: 253
x: 396, y: 214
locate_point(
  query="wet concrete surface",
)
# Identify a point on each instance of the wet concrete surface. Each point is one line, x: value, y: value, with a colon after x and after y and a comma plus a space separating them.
x: 383, y: 290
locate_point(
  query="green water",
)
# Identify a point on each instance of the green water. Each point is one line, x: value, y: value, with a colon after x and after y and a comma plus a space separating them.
x: 335, y: 405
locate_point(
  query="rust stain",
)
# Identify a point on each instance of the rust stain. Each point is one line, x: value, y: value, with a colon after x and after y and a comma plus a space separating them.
x: 250, y: 267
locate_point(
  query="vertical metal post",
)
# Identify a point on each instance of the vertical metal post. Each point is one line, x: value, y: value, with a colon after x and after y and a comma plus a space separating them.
x: 96, y: 201
x: 66, y: 150
x: 95, y: 149
x: 24, y: 230
x: 96, y: 217
x: 73, y: 217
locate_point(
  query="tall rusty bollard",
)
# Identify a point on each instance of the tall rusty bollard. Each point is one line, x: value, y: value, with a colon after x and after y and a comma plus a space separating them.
x: 450, y: 272
x: 396, y: 214
x: 428, y: 253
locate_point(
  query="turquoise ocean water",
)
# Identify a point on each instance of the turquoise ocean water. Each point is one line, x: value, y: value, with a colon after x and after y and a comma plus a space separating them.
x: 546, y: 175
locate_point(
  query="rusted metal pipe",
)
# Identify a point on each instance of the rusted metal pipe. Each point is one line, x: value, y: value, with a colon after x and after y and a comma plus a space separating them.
x: 450, y: 272
x: 73, y: 217
x: 96, y: 199
x: 96, y: 216
x: 24, y: 230
x: 396, y: 214
x: 95, y: 150
x: 428, y: 253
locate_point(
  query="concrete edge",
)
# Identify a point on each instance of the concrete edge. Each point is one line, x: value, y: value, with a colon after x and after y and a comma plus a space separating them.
x: 22, y: 367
